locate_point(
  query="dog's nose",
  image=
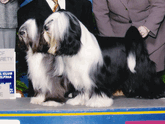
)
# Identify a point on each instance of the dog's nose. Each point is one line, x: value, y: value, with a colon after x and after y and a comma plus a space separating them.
x: 46, y: 28
x: 21, y: 32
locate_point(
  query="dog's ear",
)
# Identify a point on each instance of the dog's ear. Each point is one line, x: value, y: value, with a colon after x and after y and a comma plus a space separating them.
x: 71, y: 42
x: 28, y: 32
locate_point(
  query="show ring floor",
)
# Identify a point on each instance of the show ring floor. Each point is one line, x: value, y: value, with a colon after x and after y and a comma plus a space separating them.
x: 123, y: 111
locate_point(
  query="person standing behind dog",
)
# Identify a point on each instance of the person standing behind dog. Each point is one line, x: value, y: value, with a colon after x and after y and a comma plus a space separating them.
x: 41, y: 9
x: 114, y: 17
x: 8, y: 23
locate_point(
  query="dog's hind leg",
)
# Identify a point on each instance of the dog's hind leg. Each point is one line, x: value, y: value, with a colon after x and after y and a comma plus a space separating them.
x: 144, y: 83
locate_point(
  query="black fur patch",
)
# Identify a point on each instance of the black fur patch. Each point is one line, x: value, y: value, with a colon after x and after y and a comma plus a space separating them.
x: 115, y: 74
x: 71, y: 43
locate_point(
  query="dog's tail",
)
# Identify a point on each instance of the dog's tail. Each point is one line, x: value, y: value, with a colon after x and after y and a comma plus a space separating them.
x: 135, y: 45
x: 145, y: 83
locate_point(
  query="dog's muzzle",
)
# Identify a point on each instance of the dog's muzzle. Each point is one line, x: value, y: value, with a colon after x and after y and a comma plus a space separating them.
x: 51, y: 42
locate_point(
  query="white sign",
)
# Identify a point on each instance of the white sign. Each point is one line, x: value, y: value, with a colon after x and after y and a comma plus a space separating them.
x: 7, y: 74
x: 9, y: 122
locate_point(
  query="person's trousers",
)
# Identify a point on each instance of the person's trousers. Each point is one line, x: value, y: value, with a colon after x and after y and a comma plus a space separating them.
x: 7, y: 38
x: 159, y: 58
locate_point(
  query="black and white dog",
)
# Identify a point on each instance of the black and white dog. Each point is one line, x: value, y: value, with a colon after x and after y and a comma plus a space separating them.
x: 44, y: 70
x: 98, y: 66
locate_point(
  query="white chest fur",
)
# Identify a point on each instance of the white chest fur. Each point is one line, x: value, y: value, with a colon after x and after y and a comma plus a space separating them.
x: 36, y: 71
x: 79, y: 66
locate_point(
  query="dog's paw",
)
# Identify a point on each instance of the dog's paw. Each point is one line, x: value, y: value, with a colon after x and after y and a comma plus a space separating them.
x: 78, y: 100
x: 75, y: 101
x: 52, y: 103
x: 37, y: 100
x: 99, y: 101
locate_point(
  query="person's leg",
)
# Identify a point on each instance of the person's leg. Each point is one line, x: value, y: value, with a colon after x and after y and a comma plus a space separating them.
x: 2, y: 45
x: 9, y: 38
x: 159, y: 57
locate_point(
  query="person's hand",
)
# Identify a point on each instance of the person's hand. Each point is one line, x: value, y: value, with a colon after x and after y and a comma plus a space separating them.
x: 4, y: 1
x: 143, y: 31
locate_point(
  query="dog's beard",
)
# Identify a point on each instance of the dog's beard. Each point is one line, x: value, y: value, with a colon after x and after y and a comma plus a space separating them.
x: 52, y: 43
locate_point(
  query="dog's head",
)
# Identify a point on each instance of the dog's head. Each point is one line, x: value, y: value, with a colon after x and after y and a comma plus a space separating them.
x: 30, y: 36
x: 62, y: 32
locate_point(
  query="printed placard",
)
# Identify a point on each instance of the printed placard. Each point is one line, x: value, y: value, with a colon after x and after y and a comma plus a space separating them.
x: 9, y: 122
x: 7, y: 74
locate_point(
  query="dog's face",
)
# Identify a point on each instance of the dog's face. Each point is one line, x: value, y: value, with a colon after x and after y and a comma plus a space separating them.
x: 54, y: 30
x: 62, y: 32
x: 30, y: 34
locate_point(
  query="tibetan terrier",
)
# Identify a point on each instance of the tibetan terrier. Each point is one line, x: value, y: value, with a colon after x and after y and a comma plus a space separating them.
x: 44, y: 70
x: 98, y: 66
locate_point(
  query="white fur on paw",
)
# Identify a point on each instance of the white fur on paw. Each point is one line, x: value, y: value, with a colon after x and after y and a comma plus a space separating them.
x: 163, y: 98
x: 78, y: 100
x: 99, y: 101
x: 70, y: 95
x: 52, y: 103
x: 37, y: 100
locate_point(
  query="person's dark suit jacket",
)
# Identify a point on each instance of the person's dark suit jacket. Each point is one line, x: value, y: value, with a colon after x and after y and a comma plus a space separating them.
x: 40, y: 9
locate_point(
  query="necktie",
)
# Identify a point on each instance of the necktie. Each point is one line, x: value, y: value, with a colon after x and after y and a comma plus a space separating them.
x: 56, y: 5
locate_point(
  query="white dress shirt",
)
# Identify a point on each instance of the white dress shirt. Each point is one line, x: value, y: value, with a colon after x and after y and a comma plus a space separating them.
x: 60, y: 2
